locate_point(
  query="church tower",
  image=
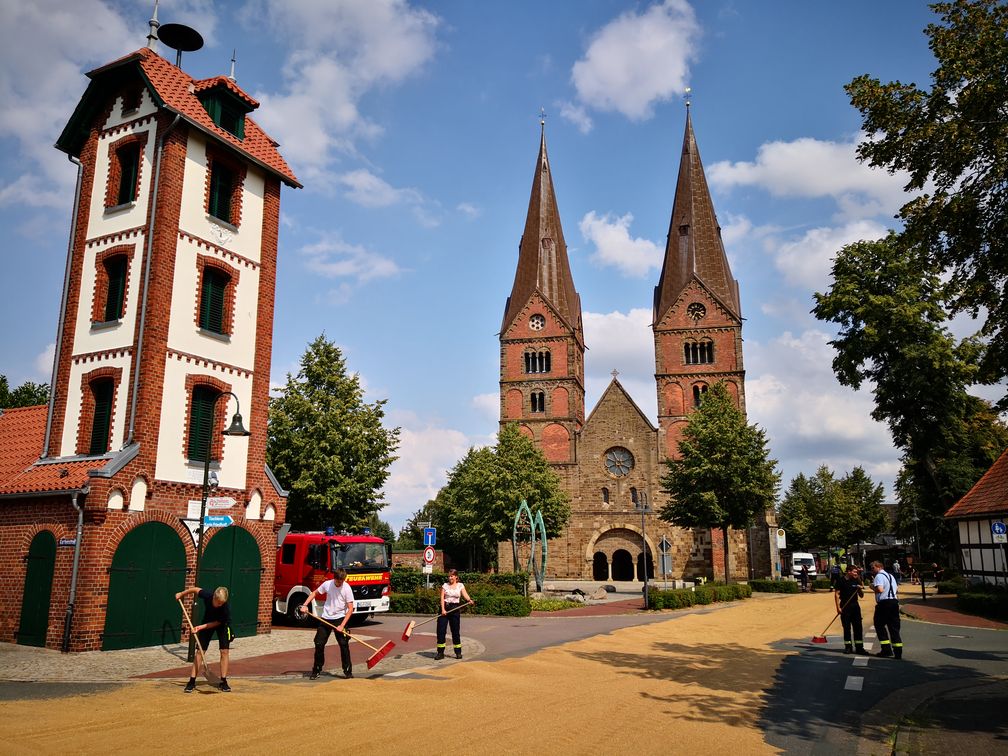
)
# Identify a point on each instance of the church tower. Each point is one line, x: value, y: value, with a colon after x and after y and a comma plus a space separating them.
x: 697, y: 316
x: 541, y: 338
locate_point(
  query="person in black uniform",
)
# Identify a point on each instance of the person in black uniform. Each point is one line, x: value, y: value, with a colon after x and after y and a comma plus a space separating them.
x: 216, y: 619
x: 848, y: 591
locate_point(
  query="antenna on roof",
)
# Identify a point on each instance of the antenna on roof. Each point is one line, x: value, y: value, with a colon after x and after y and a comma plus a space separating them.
x: 152, y: 35
x: 180, y: 38
x: 231, y: 75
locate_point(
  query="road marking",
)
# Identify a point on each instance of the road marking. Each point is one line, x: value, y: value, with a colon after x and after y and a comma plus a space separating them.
x: 861, y: 661
x: 854, y: 683
x: 870, y: 634
x: 868, y: 646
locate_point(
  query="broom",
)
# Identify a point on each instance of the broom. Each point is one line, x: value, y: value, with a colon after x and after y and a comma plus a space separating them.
x: 211, y: 677
x: 822, y: 638
x: 413, y: 625
x: 379, y: 653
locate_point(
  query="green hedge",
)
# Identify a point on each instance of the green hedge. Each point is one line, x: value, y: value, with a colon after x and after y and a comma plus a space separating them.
x: 953, y: 585
x: 425, y: 601
x: 774, y: 586
x: 553, y: 605
x: 406, y: 580
x: 822, y: 583
x: 993, y: 604
x: 681, y: 598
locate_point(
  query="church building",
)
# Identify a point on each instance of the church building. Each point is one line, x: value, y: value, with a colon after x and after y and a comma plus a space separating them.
x: 611, y: 462
x: 165, y: 332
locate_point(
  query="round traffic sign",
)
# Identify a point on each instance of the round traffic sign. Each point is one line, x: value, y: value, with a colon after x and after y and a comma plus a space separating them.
x: 428, y: 555
x: 998, y: 528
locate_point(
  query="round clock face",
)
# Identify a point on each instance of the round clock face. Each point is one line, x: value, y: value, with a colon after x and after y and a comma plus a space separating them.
x: 696, y: 310
x: 537, y: 322
x: 619, y: 461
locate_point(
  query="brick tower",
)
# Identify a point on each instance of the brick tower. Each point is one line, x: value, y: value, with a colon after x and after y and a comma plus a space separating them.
x: 542, y: 342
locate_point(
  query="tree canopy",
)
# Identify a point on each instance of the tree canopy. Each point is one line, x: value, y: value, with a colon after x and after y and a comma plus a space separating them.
x: 327, y: 445
x: 824, y: 511
x: 28, y: 394
x: 722, y: 476
x: 476, y: 508
x: 952, y: 139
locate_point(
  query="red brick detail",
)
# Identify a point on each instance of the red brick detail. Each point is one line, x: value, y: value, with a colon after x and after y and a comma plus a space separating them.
x: 202, y: 263
x: 513, y: 402
x: 239, y: 170
x: 206, y: 362
x: 526, y: 431
x: 102, y: 281
x: 220, y: 415
x: 118, y: 236
x: 88, y: 406
x: 559, y: 403
x: 556, y: 443
x: 115, y: 166
x: 227, y: 254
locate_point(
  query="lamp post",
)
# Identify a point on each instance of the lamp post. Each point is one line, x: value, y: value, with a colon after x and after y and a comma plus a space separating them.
x: 643, y: 508
x: 237, y: 428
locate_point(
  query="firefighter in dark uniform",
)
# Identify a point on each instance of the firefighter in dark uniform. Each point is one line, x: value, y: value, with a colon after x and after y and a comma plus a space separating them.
x: 848, y: 591
x: 887, y: 616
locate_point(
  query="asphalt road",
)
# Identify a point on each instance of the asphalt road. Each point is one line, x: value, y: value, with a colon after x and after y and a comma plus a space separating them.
x: 822, y: 700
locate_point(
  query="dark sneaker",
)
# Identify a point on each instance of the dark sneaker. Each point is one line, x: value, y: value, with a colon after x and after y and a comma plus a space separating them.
x: 439, y: 655
x: 458, y: 654
x: 348, y: 674
x: 884, y: 655
x: 190, y: 686
x: 314, y: 674
x: 848, y: 650
x: 224, y: 687
x: 862, y: 652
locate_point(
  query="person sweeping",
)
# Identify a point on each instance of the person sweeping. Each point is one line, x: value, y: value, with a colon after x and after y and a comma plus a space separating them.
x: 338, y: 607
x: 452, y: 594
x: 848, y: 591
x: 216, y: 620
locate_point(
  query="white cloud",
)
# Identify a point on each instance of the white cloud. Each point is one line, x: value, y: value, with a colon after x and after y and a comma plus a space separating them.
x: 44, y: 361
x: 335, y: 258
x: 339, y: 51
x: 488, y: 405
x: 623, y: 342
x: 815, y: 168
x: 638, y: 59
x: 576, y: 114
x: 369, y: 190
x: 469, y: 210
x: 616, y: 248
x: 807, y: 261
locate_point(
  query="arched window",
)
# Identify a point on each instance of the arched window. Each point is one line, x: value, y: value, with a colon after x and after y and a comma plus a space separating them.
x: 537, y: 362
x: 605, y: 495
x: 201, y: 422
x: 538, y: 401
x: 698, y: 352
x: 633, y: 496
x: 102, y: 392
x: 699, y: 390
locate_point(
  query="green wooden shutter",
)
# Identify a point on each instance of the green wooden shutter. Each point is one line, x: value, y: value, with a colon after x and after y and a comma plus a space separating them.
x: 116, y: 270
x: 212, y: 300
x: 129, y: 163
x: 102, y: 391
x: 221, y: 190
x: 201, y: 421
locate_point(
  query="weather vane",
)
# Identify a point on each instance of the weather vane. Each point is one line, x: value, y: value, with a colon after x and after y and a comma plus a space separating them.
x: 542, y: 116
x: 615, y: 374
x: 688, y: 96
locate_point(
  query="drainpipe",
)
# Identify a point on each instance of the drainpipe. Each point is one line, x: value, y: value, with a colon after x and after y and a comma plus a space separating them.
x: 63, y: 304
x: 146, y: 284
x: 68, y: 622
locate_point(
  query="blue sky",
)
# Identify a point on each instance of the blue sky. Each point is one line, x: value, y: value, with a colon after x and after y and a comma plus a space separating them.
x: 414, y: 127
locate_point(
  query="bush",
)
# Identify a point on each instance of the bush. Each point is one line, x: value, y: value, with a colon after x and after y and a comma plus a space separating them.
x: 678, y: 598
x: 988, y: 603
x: 822, y: 583
x: 425, y: 601
x: 407, y: 580
x: 774, y: 586
x: 553, y: 605
x: 952, y: 585
x: 704, y: 594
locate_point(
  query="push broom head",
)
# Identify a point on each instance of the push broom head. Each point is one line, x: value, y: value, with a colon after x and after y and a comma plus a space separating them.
x: 380, y: 654
x: 819, y: 639
x: 409, y: 630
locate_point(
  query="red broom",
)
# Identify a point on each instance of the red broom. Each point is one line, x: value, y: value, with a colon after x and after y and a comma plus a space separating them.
x: 414, y: 625
x: 822, y: 638
x: 379, y: 653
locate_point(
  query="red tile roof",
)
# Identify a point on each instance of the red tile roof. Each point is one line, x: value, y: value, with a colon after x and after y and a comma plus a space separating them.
x: 176, y: 89
x: 989, y: 496
x: 22, y: 433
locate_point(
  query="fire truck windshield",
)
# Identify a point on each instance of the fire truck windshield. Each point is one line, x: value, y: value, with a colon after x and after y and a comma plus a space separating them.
x: 355, y: 556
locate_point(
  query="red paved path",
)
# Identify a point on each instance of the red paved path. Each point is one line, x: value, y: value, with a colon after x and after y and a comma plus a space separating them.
x: 942, y: 610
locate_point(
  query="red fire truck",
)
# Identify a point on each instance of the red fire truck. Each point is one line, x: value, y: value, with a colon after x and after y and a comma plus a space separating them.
x: 306, y: 560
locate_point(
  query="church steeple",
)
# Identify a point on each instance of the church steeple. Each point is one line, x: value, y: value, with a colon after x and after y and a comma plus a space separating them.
x: 542, y: 253
x: 694, y: 247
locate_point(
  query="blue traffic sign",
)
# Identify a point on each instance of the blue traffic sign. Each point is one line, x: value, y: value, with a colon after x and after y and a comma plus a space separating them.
x: 998, y: 528
x: 430, y: 536
x: 217, y: 521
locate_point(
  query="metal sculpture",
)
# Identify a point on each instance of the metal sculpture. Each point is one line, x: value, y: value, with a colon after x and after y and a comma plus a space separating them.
x: 536, y: 531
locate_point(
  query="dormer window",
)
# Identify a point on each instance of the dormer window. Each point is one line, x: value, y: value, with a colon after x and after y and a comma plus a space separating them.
x: 225, y: 105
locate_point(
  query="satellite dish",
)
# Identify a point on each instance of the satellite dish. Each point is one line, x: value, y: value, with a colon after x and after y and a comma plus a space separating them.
x: 180, y: 38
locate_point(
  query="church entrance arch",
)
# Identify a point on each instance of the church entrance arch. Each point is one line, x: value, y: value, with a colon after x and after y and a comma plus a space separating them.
x: 622, y: 565
x: 640, y: 566
x: 615, y: 553
x: 600, y: 566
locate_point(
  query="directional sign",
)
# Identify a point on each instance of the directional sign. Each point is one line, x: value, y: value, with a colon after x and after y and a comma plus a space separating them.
x: 999, y: 531
x: 428, y: 555
x: 664, y: 546
x: 430, y: 537
x: 217, y: 521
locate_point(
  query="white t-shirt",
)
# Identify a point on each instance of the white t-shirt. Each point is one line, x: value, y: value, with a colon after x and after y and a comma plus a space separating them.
x: 336, y: 599
x: 887, y: 583
x: 452, y: 593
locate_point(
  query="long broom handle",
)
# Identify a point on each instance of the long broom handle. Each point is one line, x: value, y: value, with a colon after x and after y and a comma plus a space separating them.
x: 351, y: 637
x: 457, y: 608
x: 195, y: 635
x: 837, y: 615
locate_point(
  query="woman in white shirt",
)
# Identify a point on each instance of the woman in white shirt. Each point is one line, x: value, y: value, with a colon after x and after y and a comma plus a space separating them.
x: 452, y: 594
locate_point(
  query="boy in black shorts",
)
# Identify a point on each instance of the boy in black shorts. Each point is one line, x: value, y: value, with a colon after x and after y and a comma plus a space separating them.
x: 216, y: 619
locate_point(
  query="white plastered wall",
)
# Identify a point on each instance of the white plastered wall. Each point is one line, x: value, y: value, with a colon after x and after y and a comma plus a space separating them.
x: 75, y: 399
x: 103, y: 221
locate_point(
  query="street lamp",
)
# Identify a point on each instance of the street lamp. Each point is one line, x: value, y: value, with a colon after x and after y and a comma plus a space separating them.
x: 237, y: 428
x: 642, y: 506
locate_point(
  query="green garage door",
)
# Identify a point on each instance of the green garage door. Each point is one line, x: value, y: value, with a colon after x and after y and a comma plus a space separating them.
x: 37, y: 590
x: 148, y: 569
x: 231, y: 559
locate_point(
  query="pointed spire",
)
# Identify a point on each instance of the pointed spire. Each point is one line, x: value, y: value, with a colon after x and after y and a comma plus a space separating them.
x: 152, y: 37
x: 542, y: 253
x: 694, y: 247
x: 231, y: 75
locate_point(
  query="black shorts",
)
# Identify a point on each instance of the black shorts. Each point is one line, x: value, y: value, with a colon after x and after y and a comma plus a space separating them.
x: 224, y: 637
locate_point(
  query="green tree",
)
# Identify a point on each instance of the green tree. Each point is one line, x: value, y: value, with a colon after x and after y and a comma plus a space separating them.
x: 476, y: 508
x: 28, y: 394
x: 380, y: 528
x: 326, y: 445
x: 793, y: 513
x: 410, y: 536
x: 886, y: 299
x: 723, y: 475
x: 952, y: 139
x: 868, y: 517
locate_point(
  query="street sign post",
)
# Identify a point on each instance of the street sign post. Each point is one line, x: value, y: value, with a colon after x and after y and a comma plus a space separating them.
x: 428, y: 555
x: 217, y: 521
x: 430, y: 536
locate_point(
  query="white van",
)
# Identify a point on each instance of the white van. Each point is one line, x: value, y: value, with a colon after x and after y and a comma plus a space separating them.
x: 799, y: 558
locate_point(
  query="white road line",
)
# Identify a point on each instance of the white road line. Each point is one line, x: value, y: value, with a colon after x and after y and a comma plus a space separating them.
x: 870, y: 634
x: 854, y: 683
x: 861, y: 661
x: 868, y: 646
